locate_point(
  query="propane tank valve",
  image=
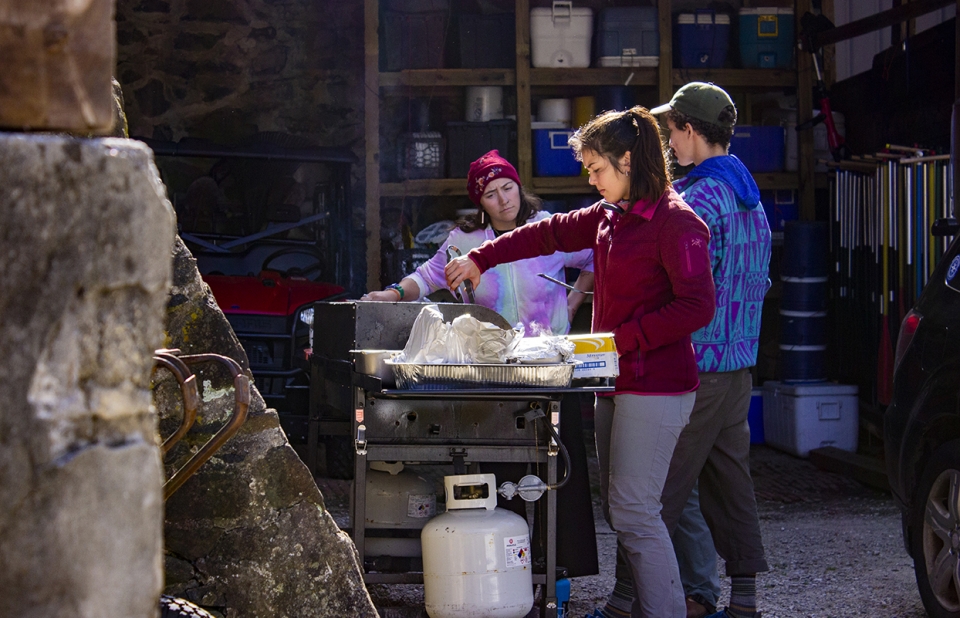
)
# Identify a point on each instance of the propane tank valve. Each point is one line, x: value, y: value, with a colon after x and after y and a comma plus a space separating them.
x: 530, y: 488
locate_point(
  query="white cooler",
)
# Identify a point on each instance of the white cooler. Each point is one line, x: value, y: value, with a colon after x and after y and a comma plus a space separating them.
x: 800, y: 417
x: 560, y: 36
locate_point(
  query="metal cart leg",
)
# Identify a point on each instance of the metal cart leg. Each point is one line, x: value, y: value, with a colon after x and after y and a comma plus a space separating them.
x: 549, y: 604
x: 358, y: 514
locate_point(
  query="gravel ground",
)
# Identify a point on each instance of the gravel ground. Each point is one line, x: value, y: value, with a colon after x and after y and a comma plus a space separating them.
x: 834, y: 549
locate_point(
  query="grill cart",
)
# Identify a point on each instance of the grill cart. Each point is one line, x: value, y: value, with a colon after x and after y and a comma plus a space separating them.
x: 443, y: 415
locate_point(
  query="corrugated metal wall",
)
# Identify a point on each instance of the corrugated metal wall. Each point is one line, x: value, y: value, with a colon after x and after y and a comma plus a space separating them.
x: 856, y: 55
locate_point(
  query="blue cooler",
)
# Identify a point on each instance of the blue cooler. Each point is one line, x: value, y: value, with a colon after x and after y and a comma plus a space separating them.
x: 766, y: 38
x: 627, y: 36
x: 760, y: 148
x: 552, y: 155
x: 702, y: 39
x: 781, y: 206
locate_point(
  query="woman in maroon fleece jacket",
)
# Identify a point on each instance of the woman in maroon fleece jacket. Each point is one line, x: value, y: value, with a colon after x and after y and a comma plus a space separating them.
x: 653, y: 288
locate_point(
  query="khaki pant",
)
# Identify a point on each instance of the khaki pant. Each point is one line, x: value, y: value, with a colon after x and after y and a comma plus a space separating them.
x: 715, y: 447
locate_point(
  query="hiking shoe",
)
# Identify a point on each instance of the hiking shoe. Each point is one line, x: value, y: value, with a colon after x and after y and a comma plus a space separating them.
x: 695, y: 609
x: 699, y: 599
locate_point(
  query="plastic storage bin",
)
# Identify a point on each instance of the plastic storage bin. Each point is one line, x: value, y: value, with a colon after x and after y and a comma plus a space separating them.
x: 702, y: 39
x: 780, y: 206
x: 760, y: 148
x: 466, y: 141
x: 552, y: 156
x: 560, y: 36
x: 799, y: 418
x: 627, y: 36
x: 787, y: 118
x: 766, y: 38
x: 413, y: 40
x: 487, y: 41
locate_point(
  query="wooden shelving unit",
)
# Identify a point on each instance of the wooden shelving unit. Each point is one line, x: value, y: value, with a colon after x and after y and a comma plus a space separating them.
x: 664, y: 79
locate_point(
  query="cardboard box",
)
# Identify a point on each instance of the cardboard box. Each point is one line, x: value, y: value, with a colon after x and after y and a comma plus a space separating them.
x: 598, y: 356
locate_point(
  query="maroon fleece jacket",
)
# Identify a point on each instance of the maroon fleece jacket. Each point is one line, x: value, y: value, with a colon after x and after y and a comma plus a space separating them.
x: 653, y: 280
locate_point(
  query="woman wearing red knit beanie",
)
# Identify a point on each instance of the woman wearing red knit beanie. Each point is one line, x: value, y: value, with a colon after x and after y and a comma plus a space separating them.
x: 515, y: 291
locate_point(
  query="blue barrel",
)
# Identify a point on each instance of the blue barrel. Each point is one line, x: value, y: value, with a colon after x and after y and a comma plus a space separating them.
x: 804, y: 293
x: 803, y: 363
x: 803, y: 327
x: 805, y: 249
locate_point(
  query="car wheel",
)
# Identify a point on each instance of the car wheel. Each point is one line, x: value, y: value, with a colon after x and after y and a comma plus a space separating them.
x: 174, y: 607
x: 935, y: 533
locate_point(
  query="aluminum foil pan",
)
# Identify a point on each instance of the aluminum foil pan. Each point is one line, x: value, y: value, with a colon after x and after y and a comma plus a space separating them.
x: 415, y: 376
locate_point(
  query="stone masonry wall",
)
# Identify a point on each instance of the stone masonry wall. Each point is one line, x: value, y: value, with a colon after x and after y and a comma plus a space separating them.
x: 225, y: 70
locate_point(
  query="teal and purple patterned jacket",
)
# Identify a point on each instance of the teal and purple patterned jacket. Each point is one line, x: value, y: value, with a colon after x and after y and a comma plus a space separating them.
x: 726, y: 197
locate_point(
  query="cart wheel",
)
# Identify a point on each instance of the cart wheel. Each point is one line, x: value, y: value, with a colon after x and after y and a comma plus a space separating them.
x: 340, y: 457
x: 173, y: 607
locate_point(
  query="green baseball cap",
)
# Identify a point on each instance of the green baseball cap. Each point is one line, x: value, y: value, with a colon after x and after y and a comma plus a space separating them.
x: 700, y: 100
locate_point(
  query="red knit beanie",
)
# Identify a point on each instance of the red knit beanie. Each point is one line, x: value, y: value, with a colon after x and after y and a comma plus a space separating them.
x: 488, y: 167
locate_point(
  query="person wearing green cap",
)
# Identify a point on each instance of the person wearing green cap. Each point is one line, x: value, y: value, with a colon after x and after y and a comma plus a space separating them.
x: 713, y: 451
x: 715, y: 446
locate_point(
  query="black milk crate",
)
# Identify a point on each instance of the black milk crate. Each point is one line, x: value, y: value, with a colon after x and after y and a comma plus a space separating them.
x: 487, y: 41
x: 467, y: 141
x: 414, y: 40
x: 420, y: 155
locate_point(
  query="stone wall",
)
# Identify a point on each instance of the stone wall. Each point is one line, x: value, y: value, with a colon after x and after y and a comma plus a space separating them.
x: 86, y: 237
x: 249, y: 535
x: 225, y: 70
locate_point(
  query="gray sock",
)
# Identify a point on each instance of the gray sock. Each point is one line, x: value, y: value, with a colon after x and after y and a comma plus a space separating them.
x: 620, y: 601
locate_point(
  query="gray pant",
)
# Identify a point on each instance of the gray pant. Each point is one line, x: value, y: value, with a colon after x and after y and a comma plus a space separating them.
x: 636, y: 436
x: 715, y: 447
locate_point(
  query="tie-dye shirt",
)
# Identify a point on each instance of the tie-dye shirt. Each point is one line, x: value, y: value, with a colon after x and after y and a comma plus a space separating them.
x: 724, y: 194
x: 513, y: 290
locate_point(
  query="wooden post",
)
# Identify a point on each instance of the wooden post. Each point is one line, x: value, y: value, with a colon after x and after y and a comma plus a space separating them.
x: 829, y: 67
x: 805, y: 80
x: 665, y: 72
x: 58, y: 61
x: 524, y: 134
x: 371, y: 105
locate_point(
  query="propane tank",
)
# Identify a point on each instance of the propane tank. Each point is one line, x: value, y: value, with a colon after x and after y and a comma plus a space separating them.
x: 476, y: 557
x: 397, y: 498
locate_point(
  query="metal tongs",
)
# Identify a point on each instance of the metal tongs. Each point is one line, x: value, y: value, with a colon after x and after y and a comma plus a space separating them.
x: 558, y: 282
x: 465, y: 289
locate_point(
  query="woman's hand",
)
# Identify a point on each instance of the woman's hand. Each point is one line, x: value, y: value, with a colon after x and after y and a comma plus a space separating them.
x: 387, y: 296
x: 461, y: 269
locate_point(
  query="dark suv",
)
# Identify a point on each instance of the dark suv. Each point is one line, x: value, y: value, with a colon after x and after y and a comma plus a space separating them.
x: 922, y: 434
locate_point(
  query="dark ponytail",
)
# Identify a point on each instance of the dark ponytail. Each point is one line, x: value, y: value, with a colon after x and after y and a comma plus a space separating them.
x: 613, y: 134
